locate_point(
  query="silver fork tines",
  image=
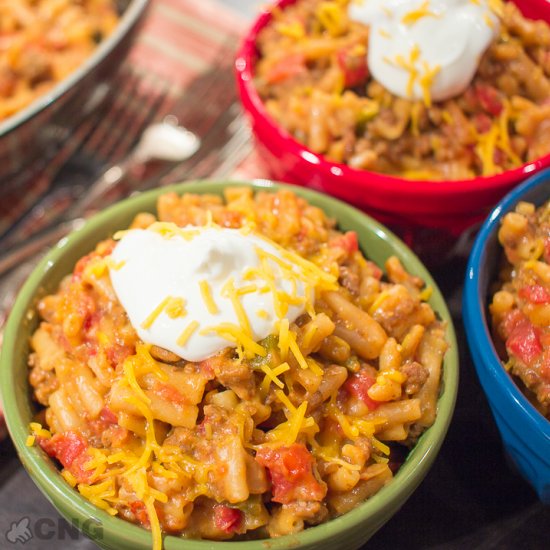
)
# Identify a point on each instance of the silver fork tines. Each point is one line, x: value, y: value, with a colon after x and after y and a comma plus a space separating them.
x: 209, y: 109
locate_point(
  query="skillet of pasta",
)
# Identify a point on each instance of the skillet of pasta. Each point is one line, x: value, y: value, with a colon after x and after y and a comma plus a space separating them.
x: 43, y: 41
x: 233, y: 368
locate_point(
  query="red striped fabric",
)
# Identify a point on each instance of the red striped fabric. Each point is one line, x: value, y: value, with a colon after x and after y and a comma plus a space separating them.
x: 181, y: 38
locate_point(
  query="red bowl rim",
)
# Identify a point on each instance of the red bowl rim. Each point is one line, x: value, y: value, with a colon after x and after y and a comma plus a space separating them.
x: 244, y: 67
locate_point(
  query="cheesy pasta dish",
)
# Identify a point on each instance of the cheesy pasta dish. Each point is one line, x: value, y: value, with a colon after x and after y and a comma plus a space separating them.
x: 465, y: 114
x: 302, y: 372
x: 520, y: 307
x: 43, y: 41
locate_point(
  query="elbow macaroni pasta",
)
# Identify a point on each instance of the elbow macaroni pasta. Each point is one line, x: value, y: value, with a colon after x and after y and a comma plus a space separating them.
x: 520, y: 307
x: 313, y: 77
x: 257, y: 446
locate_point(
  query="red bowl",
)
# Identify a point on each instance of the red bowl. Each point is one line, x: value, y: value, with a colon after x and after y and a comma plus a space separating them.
x: 406, y: 205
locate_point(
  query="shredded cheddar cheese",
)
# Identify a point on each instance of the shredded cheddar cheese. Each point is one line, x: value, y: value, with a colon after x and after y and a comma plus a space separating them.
x: 488, y: 21
x: 111, y: 264
x: 296, y: 352
x: 426, y: 81
x: 234, y: 333
x: 206, y: 293
x: 175, y: 307
x: 414, y: 15
x: 497, y: 7
x: 187, y: 333
x: 169, y: 230
x: 262, y: 313
x: 409, y: 65
x: 229, y: 291
x: 288, y: 432
x: 497, y: 137
x: 152, y: 317
x: 284, y: 339
x: 426, y: 293
x: 271, y: 375
x: 292, y: 30
x: 382, y: 296
x: 332, y: 17
x: 131, y: 380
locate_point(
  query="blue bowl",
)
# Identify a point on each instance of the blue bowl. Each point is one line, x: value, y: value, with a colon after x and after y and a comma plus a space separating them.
x: 524, y: 431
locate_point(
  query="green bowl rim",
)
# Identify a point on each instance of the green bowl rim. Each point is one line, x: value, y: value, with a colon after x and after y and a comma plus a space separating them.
x: 54, y: 487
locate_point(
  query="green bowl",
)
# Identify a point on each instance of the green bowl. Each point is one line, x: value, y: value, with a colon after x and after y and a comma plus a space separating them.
x: 347, y: 532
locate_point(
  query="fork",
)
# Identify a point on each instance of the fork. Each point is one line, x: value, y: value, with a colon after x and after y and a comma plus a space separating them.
x: 225, y: 141
x: 107, y: 143
x: 131, y: 172
x: 217, y: 158
x: 84, y: 151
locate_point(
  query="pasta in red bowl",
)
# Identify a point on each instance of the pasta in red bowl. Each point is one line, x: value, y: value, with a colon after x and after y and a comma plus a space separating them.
x: 233, y: 366
x: 423, y: 114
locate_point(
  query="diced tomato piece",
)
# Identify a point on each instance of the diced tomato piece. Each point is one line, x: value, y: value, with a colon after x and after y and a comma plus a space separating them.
x: 524, y: 343
x: 536, y: 294
x: 169, y: 393
x: 348, y: 241
x: 499, y: 157
x: 354, y: 67
x: 374, y: 270
x: 512, y: 320
x: 118, y: 352
x: 81, y: 264
x: 108, y: 416
x: 291, y: 470
x: 70, y: 449
x: 286, y: 68
x: 65, y: 447
x: 489, y: 99
x: 85, y: 260
x: 91, y: 319
x: 358, y: 385
x: 140, y: 512
x: 107, y: 420
x: 227, y: 519
x: 482, y: 123
x: 545, y: 365
x: 209, y: 367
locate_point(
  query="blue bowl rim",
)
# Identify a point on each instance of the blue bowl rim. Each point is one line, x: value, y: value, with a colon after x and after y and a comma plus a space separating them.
x: 474, y: 311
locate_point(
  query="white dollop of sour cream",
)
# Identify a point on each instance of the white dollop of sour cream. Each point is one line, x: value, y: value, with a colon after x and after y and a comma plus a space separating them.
x: 426, y: 49
x: 178, y: 284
